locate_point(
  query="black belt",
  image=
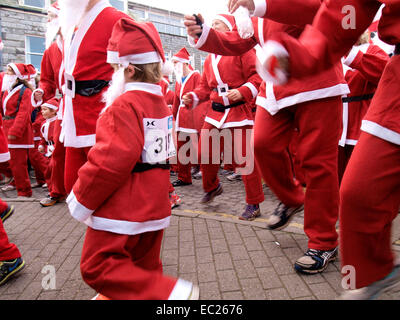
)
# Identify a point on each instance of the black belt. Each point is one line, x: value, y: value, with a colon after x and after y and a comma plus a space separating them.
x: 141, y: 167
x: 88, y: 88
x: 358, y: 98
x: 219, y: 107
x: 397, y: 49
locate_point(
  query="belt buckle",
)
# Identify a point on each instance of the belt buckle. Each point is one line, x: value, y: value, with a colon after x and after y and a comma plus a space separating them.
x: 222, y: 89
x: 69, y: 85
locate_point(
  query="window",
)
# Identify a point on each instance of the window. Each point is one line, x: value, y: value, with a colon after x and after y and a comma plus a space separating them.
x: 34, y: 48
x: 138, y: 14
x: 36, y: 3
x: 118, y: 4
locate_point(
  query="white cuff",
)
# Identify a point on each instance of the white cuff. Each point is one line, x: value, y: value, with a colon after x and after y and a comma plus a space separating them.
x: 202, y: 39
x: 351, y: 56
x: 260, y: 8
x: 252, y: 88
x: 181, y: 290
x: 195, y: 99
x: 78, y: 210
x: 271, y: 48
x: 34, y: 103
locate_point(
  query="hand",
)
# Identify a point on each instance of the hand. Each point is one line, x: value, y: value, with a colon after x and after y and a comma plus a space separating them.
x: 38, y: 95
x: 192, y: 28
x: 41, y: 149
x: 187, y: 99
x: 234, y: 95
x: 233, y: 5
x: 11, y: 137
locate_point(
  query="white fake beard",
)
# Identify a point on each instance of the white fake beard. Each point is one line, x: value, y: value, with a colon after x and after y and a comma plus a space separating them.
x: 52, y: 29
x: 8, y: 82
x: 178, y: 71
x: 71, y: 13
x: 117, y: 87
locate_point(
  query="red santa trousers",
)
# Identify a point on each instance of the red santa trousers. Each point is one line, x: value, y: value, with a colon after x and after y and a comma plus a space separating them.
x: 75, y: 158
x: 8, y: 251
x: 188, y: 158
x: 318, y: 124
x: 57, y: 163
x: 123, y: 267
x: 252, y: 181
x: 19, y: 168
x: 39, y: 163
x: 369, y: 202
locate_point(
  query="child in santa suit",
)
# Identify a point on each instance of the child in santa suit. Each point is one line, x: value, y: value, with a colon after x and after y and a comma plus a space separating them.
x: 232, y: 84
x: 363, y: 67
x: 370, y: 189
x: 11, y: 261
x: 17, y: 111
x: 51, y: 83
x: 122, y: 190
x: 186, y: 80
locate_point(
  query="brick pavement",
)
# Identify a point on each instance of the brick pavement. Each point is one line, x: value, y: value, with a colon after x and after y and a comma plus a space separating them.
x: 226, y: 257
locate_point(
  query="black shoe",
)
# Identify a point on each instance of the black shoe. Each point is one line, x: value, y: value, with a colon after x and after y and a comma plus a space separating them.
x: 315, y: 261
x: 282, y: 216
x: 180, y: 183
x: 9, y: 268
x: 7, y: 213
x: 209, y: 196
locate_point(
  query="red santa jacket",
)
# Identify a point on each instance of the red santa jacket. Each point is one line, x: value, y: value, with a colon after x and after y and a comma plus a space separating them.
x: 108, y: 195
x: 18, y: 122
x: 313, y: 52
x: 47, y: 136
x: 229, y: 72
x: 167, y: 92
x: 4, y: 153
x: 51, y: 72
x: 281, y: 17
x: 364, y: 64
x: 85, y: 59
x: 183, y: 115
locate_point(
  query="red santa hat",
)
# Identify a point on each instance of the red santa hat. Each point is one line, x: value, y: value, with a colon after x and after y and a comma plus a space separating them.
x: 137, y: 42
x: 182, y: 56
x: 52, y: 104
x: 23, y: 71
x: 228, y: 19
x: 54, y: 8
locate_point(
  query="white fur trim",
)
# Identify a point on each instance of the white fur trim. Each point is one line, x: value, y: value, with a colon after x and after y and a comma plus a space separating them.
x: 224, y: 20
x: 233, y: 124
x: 252, y: 88
x: 345, y: 117
x: 273, y: 106
x: 126, y: 227
x: 113, y: 57
x: 78, y: 211
x: 195, y: 99
x: 260, y: 9
x: 271, y: 48
x: 354, y: 52
x: 181, y: 290
x: 4, y: 157
x: 203, y: 38
x: 33, y: 102
x: 140, y: 58
x: 21, y: 146
x: 146, y: 87
x: 380, y: 131
x: 180, y: 59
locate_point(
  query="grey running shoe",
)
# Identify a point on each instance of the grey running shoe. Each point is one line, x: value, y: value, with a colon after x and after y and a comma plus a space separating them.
x: 315, y: 261
x: 282, y: 216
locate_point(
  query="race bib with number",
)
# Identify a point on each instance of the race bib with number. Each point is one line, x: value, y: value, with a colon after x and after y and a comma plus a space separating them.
x: 158, y: 143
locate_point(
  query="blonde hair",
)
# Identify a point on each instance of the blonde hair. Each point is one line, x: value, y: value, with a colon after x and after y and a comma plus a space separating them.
x: 150, y: 72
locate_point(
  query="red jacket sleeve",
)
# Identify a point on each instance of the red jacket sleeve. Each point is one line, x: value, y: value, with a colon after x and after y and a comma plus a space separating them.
x: 326, y: 41
x: 23, y: 116
x: 370, y: 64
x: 47, y: 77
x: 250, y: 89
x: 176, y: 100
x: 203, y: 90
